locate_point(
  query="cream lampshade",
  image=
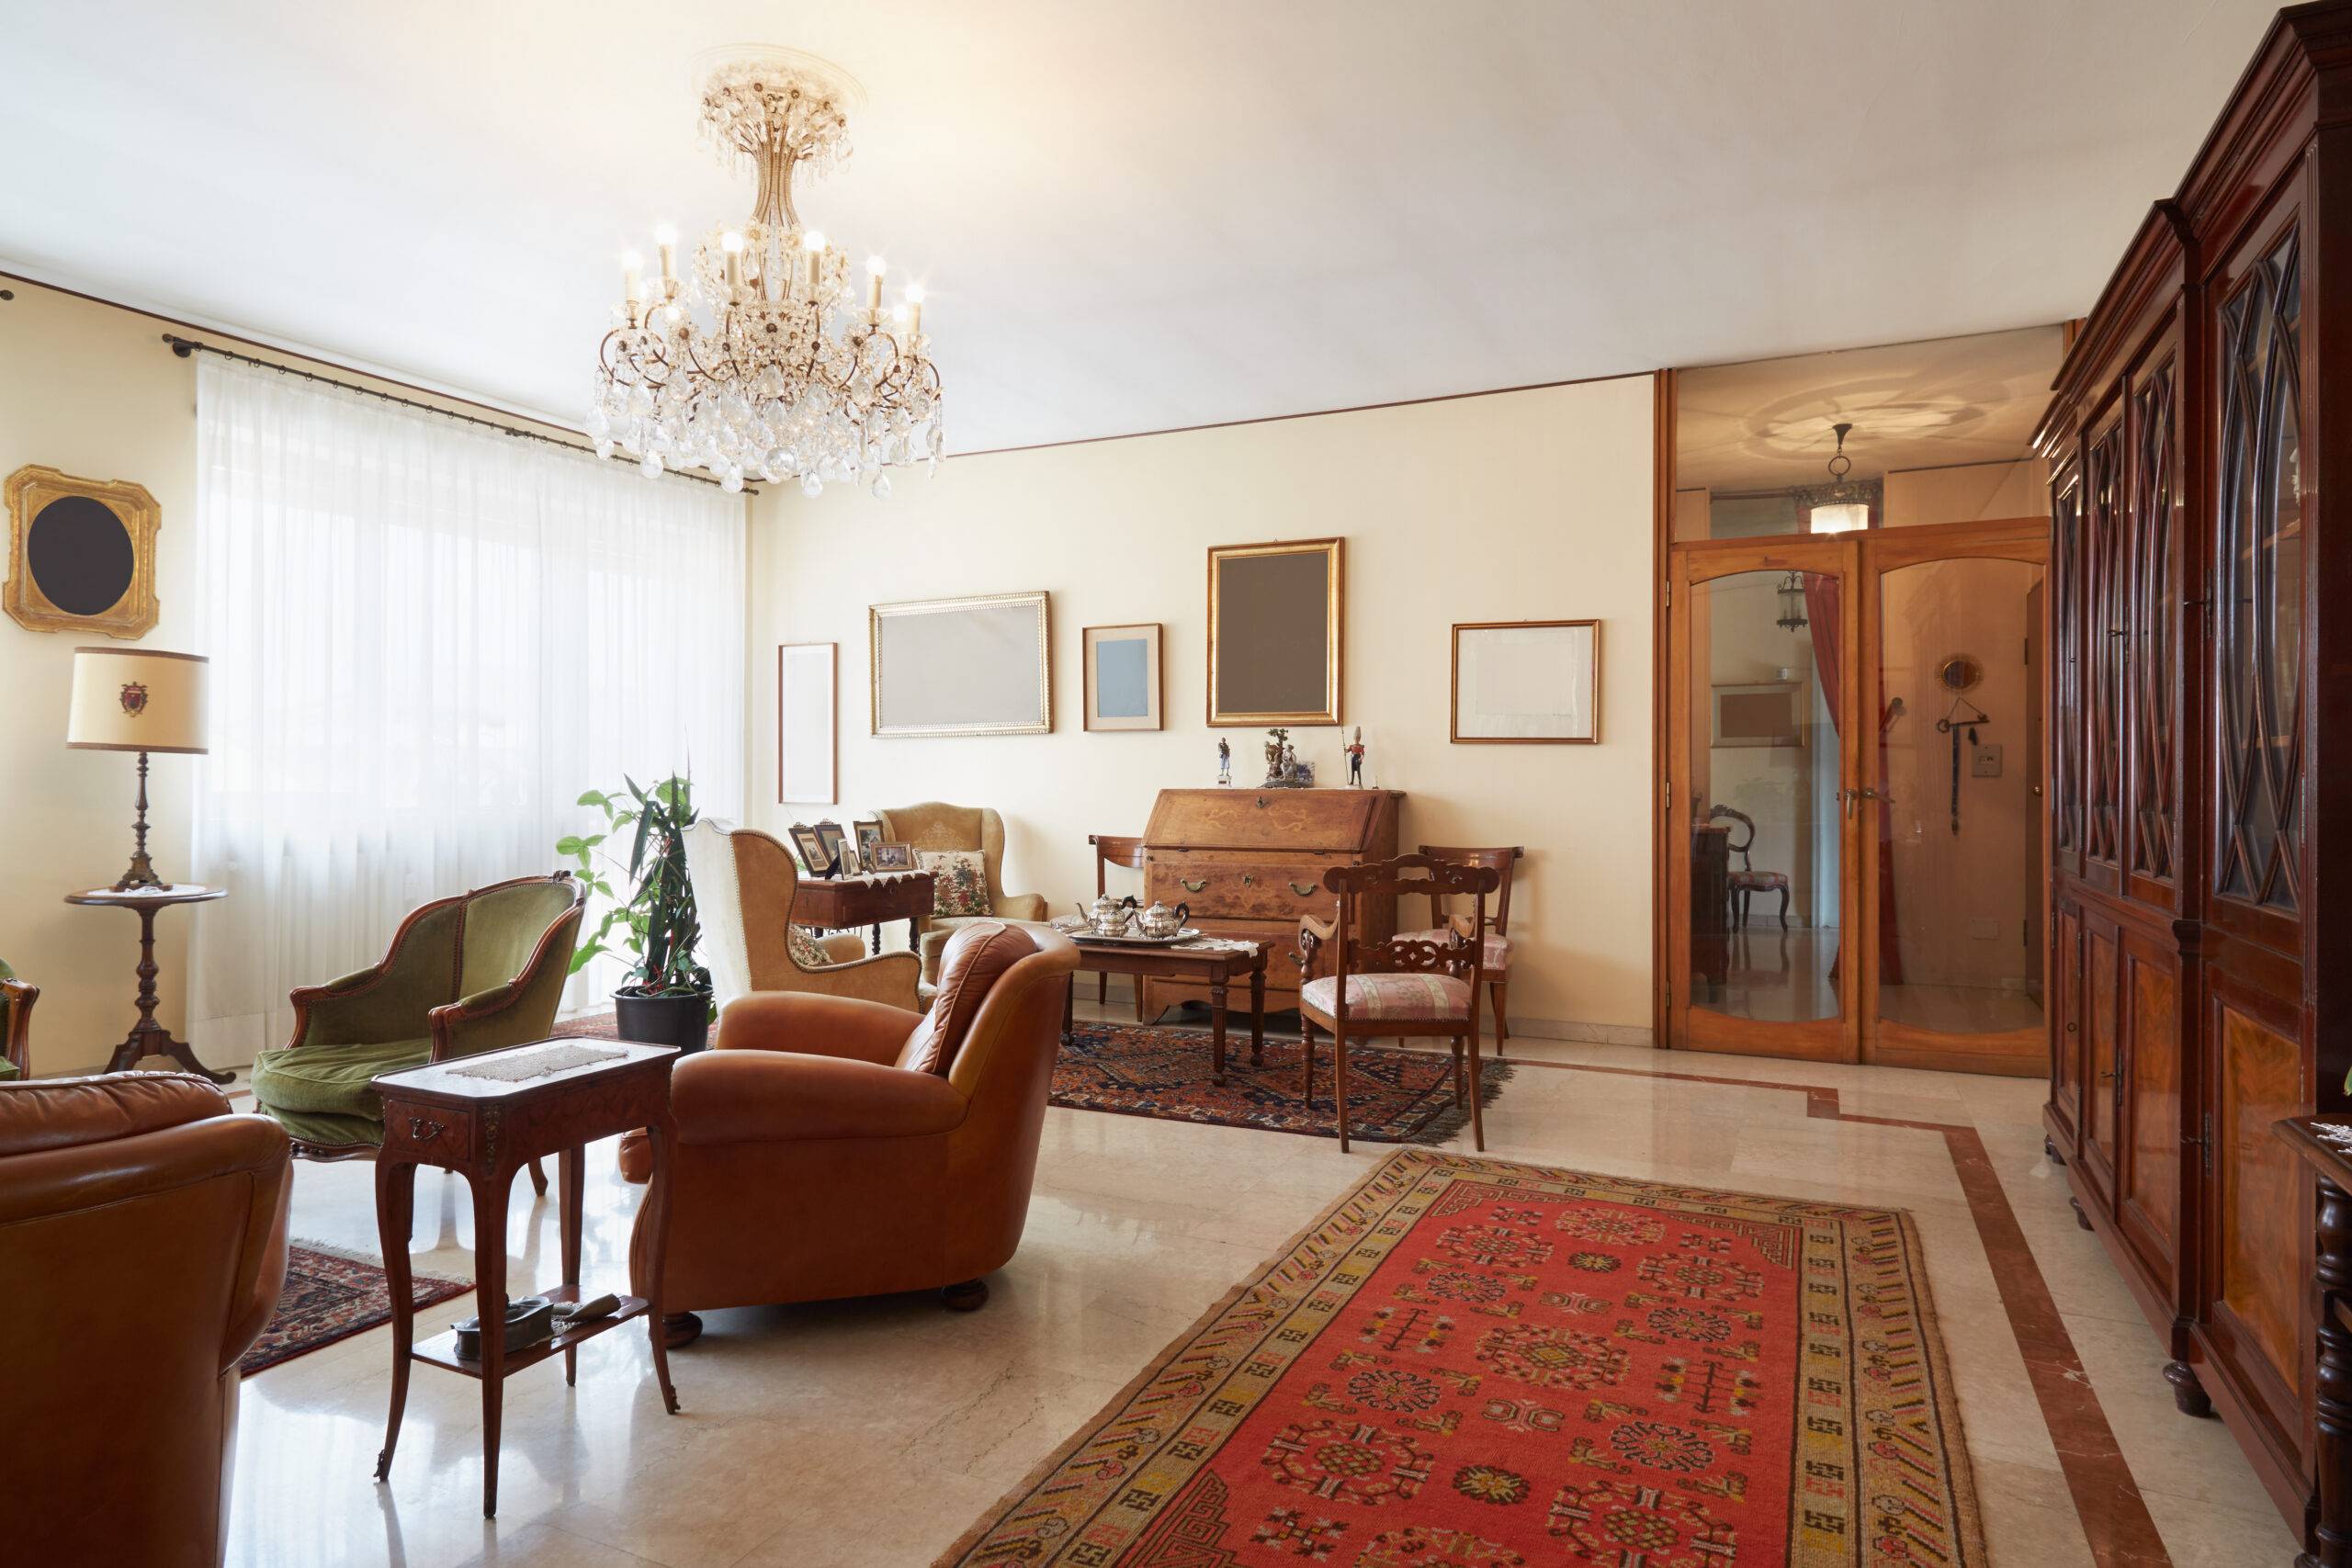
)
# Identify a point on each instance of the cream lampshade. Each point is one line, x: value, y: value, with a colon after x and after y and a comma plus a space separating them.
x: 143, y: 700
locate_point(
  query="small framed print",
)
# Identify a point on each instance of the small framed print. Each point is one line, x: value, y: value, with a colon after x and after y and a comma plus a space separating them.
x: 867, y: 834
x: 831, y: 838
x: 1765, y: 713
x: 806, y: 733
x: 1526, y: 683
x: 814, y: 856
x: 1123, y: 689
x: 893, y: 857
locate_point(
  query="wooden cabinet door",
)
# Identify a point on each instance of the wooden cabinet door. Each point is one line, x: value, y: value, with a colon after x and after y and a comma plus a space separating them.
x: 2148, y: 1186
x: 2102, y: 1051
x: 2066, y: 1029
x: 2152, y: 690
x: 2065, y: 670
x: 2104, y: 566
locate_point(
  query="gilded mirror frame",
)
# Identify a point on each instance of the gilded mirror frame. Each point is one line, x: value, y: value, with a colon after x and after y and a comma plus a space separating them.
x: 34, y: 487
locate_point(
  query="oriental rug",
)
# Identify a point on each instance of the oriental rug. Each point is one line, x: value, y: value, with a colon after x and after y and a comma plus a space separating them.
x: 330, y: 1295
x: 1395, y: 1096
x: 1470, y: 1363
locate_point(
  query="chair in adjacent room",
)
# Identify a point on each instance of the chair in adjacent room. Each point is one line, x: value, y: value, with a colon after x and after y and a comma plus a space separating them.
x: 1747, y: 881
x: 478, y: 972
x: 1404, y: 987
x: 828, y: 1147
x: 746, y: 882
x: 16, y: 1001
x: 1110, y: 850
x: 935, y: 829
x: 1497, y: 953
x: 143, y: 1238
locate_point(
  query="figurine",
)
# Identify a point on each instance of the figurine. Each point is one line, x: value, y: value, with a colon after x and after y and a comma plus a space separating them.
x: 1354, y: 750
x: 1278, y: 757
x: 1225, y: 763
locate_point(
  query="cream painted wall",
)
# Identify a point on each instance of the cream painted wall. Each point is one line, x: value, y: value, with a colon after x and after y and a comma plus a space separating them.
x: 1519, y: 505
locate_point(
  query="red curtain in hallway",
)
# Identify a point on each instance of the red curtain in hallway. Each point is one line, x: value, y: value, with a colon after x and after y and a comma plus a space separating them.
x: 1822, y: 604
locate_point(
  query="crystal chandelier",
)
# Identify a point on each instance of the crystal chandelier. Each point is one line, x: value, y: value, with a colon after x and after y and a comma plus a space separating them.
x: 760, y: 363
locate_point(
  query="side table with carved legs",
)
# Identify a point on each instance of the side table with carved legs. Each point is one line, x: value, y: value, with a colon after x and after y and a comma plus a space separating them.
x: 148, y: 1038
x: 485, y: 1128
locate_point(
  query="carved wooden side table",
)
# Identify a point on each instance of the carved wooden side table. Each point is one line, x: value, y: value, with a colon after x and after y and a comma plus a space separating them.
x: 2331, y: 1161
x: 148, y: 1038
x: 843, y: 903
x: 462, y: 1116
x: 1215, y: 962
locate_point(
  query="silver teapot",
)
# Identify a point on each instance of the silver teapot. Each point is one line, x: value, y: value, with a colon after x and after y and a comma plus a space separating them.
x: 1161, y: 922
x: 1108, y: 916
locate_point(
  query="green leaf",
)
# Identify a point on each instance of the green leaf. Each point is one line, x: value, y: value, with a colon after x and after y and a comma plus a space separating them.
x: 594, y: 798
x: 569, y: 844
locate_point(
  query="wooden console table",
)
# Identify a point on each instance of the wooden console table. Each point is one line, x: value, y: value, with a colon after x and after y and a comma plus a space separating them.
x: 486, y: 1129
x: 2331, y: 1542
x: 871, y: 898
x: 1213, y: 966
x: 148, y: 1038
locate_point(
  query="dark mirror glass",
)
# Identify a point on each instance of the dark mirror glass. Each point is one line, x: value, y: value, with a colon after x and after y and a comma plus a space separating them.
x: 80, y: 554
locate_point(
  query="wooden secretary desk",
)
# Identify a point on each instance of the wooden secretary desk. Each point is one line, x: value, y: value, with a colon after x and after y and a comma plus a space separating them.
x: 1250, y: 861
x: 2202, y: 714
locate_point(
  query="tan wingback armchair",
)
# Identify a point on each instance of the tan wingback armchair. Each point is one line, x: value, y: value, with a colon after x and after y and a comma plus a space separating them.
x: 832, y: 1148
x: 142, y: 1238
x: 934, y: 825
x: 745, y: 885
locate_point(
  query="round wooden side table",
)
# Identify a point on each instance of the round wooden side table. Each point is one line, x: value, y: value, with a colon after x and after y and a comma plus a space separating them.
x: 148, y: 1038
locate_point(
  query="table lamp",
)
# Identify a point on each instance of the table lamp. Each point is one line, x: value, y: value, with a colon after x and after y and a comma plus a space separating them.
x: 143, y: 700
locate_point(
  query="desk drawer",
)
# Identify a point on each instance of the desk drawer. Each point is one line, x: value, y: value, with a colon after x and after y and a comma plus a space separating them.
x: 1243, y: 889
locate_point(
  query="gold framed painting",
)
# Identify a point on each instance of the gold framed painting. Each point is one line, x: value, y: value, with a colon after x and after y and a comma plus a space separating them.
x: 1276, y: 632
x: 971, y: 666
x: 81, y: 554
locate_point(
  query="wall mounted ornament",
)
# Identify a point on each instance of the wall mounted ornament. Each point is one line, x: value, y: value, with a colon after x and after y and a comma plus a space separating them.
x: 81, y: 554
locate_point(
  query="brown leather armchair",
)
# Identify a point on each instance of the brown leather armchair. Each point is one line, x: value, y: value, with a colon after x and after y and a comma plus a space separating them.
x: 143, y: 1238
x: 824, y: 1151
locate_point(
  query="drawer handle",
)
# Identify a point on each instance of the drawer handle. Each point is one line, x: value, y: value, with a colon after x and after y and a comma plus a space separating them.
x: 1263, y: 802
x: 1304, y: 889
x: 1191, y: 886
x: 422, y: 1130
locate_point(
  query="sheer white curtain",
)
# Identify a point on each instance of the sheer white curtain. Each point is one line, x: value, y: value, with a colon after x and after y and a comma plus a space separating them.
x: 427, y: 639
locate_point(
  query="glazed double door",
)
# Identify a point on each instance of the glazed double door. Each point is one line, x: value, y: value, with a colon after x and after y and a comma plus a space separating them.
x: 1857, y: 864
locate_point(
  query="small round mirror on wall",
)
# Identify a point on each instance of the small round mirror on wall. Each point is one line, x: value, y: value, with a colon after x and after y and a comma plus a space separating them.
x: 1959, y: 673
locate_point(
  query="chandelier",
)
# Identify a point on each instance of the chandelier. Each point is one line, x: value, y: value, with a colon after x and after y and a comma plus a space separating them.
x: 759, y: 362
x: 1843, y: 505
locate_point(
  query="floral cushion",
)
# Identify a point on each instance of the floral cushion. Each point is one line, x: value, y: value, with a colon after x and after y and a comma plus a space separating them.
x: 1497, y: 945
x: 1396, y: 998
x: 806, y: 950
x: 1753, y: 880
x: 959, y: 881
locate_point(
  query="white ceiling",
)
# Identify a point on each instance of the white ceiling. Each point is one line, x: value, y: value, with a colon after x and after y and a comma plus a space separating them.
x: 1130, y: 214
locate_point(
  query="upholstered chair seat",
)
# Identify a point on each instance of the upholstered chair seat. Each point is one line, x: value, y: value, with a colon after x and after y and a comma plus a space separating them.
x: 474, y: 972
x: 1387, y: 998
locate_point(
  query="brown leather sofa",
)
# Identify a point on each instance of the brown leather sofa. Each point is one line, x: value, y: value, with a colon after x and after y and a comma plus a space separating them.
x: 830, y: 1146
x: 142, y: 1246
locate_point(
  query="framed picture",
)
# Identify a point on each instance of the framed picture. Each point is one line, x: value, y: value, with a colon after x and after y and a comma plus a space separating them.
x: 81, y: 554
x: 976, y: 666
x: 1123, y: 687
x: 807, y: 732
x: 814, y: 857
x: 1526, y: 683
x: 1275, y: 633
x: 831, y: 841
x: 893, y: 857
x: 1767, y: 713
x: 868, y: 834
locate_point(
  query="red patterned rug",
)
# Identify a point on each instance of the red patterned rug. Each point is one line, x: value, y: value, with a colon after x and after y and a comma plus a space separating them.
x: 1469, y: 1363
x: 1395, y: 1096
x: 331, y: 1295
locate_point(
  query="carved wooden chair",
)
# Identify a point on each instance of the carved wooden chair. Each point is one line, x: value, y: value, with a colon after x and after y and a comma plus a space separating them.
x: 1747, y: 882
x: 16, y: 1001
x: 1497, y: 957
x: 1424, y: 986
x: 1110, y: 850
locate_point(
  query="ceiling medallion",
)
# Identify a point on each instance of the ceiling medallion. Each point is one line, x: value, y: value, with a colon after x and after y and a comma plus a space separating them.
x: 760, y: 363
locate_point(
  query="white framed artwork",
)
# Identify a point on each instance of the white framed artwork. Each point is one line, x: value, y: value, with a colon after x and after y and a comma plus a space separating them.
x: 972, y: 666
x: 808, y: 699
x: 1526, y: 683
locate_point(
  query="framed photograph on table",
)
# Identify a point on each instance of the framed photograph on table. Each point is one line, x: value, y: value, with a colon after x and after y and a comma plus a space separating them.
x: 868, y: 835
x: 974, y: 666
x: 1123, y: 687
x: 894, y: 857
x: 814, y: 857
x: 1275, y: 631
x: 806, y: 728
x: 1526, y: 683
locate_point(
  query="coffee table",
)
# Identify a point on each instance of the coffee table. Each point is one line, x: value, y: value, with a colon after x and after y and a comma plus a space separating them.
x: 486, y: 1129
x: 1212, y: 961
x: 869, y: 898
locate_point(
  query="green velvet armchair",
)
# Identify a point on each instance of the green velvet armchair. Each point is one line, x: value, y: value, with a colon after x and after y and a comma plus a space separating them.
x: 477, y: 971
x: 16, y: 1001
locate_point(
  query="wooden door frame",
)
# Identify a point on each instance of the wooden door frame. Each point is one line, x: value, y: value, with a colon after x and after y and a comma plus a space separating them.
x: 1834, y: 1039
x: 2017, y: 1053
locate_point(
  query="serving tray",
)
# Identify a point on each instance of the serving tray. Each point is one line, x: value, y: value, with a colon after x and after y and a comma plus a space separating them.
x: 1187, y: 934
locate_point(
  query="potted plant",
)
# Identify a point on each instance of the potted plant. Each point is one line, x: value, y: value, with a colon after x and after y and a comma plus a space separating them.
x: 667, y: 999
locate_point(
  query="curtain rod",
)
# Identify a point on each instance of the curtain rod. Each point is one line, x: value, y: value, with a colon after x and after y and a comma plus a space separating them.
x: 184, y: 346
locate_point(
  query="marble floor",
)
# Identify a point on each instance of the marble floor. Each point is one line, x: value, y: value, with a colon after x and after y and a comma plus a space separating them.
x: 874, y: 1432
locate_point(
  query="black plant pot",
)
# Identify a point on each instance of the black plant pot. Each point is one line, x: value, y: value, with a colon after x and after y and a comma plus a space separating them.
x: 683, y: 1022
